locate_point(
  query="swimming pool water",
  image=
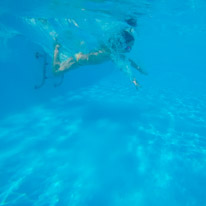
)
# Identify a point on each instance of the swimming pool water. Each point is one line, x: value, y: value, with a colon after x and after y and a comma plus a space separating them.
x: 95, y: 139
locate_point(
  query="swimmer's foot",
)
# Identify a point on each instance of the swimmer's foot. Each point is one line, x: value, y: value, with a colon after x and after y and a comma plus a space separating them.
x: 58, y: 46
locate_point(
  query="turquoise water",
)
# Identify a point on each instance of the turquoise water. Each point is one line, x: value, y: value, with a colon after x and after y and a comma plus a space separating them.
x: 95, y: 140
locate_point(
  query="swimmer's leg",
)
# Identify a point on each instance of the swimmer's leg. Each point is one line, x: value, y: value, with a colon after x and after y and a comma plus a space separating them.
x: 58, y: 66
x: 79, y: 59
x: 56, y: 60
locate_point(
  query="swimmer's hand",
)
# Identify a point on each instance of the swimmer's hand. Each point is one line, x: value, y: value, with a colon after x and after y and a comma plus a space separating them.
x: 136, y: 84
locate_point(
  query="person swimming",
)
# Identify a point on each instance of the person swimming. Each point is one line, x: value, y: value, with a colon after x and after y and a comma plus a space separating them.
x: 118, y: 45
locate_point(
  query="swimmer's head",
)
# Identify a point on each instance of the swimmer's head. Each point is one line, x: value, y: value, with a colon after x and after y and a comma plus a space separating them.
x: 131, y: 21
x: 129, y: 40
x: 128, y: 37
x: 122, y: 43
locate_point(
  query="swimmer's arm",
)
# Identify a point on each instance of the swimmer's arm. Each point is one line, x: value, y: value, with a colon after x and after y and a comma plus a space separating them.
x: 79, y: 59
x: 128, y: 71
x: 133, y: 64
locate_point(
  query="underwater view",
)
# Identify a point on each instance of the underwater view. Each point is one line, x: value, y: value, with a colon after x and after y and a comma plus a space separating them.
x: 103, y: 103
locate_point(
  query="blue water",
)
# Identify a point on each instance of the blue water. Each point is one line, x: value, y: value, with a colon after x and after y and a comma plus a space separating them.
x: 95, y: 140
